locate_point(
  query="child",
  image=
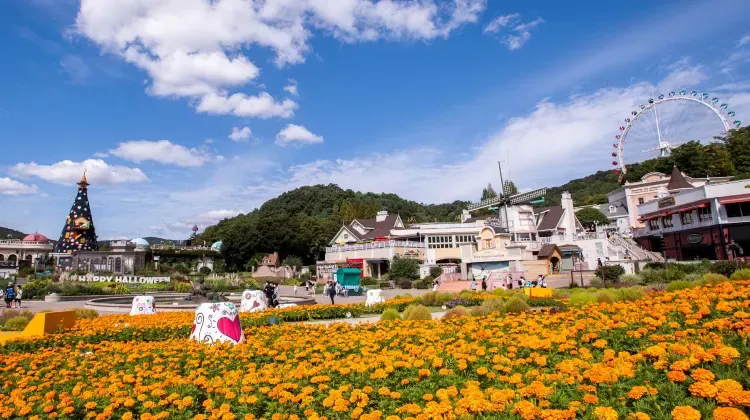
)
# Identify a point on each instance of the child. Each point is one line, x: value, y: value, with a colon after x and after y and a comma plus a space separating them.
x: 295, y: 290
x: 19, y: 293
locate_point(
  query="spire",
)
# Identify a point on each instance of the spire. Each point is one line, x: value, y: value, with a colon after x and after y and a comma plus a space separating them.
x: 83, y: 183
x: 677, y: 181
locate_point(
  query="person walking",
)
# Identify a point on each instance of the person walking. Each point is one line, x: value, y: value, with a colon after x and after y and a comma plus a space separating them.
x: 268, y: 291
x: 10, y: 294
x: 473, y: 285
x: 435, y: 284
x: 19, y: 294
x: 331, y: 290
x: 484, y: 285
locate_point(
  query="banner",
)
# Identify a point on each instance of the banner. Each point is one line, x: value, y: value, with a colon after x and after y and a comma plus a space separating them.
x: 484, y: 270
x: 124, y: 279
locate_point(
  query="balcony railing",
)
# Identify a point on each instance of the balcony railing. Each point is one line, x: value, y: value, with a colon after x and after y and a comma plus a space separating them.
x: 375, y: 245
x: 569, y: 238
x: 20, y: 242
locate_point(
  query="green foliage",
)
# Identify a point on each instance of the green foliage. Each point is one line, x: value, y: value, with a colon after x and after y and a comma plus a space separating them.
x: 545, y: 302
x: 605, y: 296
x: 494, y: 305
x: 405, y: 284
x: 488, y: 192
x: 609, y: 273
x: 404, y: 268
x: 293, y: 261
x: 591, y: 216
x: 7, y: 233
x: 727, y: 268
x: 481, y: 310
x: 390, y: 315
x: 630, y: 294
x: 435, y: 272
x: 680, y: 285
x: 743, y: 274
x: 82, y: 313
x: 582, y: 298
x: 423, y: 284
x: 417, y: 313
x: 668, y: 275
x: 8, y: 314
x: 436, y: 298
x: 516, y: 305
x: 121, y: 289
x: 17, y: 323
x: 712, y: 278
x: 205, y: 271
x: 369, y: 281
x: 631, y: 279
x: 36, y: 289
x: 180, y: 287
x: 457, y: 312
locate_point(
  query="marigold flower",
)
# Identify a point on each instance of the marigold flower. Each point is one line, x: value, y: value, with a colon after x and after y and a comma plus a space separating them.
x: 684, y: 412
x: 676, y: 376
x: 605, y: 413
x: 729, y: 413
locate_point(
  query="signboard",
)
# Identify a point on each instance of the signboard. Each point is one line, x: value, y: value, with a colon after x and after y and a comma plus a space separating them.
x: 124, y: 279
x: 666, y: 202
x: 493, y: 221
x: 484, y: 270
x: 411, y: 253
x: 695, y: 238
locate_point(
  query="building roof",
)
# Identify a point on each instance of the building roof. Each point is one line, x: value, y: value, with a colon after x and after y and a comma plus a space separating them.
x: 550, y: 218
x: 272, y: 259
x: 36, y: 237
x: 374, y: 227
x: 547, y: 250
x: 217, y: 245
x: 477, y: 218
x: 620, y: 210
x: 140, y: 242
x: 677, y: 181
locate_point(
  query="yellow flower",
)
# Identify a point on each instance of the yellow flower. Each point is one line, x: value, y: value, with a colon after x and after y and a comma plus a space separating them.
x: 605, y: 413
x: 685, y: 412
x: 729, y: 413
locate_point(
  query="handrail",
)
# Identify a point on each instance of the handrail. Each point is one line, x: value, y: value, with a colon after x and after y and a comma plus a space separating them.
x: 375, y: 245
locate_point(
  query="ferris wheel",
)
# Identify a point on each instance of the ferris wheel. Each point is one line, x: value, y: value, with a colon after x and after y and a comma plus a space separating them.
x: 667, y: 121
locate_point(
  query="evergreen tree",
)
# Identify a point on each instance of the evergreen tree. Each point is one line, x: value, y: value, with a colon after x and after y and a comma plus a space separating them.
x: 79, y: 233
x: 488, y: 192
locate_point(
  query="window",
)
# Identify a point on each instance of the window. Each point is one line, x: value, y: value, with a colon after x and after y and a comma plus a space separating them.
x: 640, y: 200
x: 704, y: 214
x: 612, y: 209
x: 666, y: 221
x: 440, y: 242
x: 653, y: 224
x: 488, y: 243
x: 738, y: 209
x: 686, y: 217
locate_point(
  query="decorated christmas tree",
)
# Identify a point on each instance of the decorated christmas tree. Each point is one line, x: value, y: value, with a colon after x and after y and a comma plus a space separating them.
x: 78, y: 234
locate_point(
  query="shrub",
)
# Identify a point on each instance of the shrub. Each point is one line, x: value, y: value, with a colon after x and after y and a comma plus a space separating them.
x: 597, y: 282
x: 404, y: 268
x: 457, y: 312
x: 423, y: 284
x: 610, y: 272
x: 726, y: 268
x: 390, y: 314
x: 369, y: 281
x: 604, y: 297
x: 417, y: 313
x: 82, y: 313
x: 250, y: 283
x: 121, y: 289
x: 515, y: 305
x: 680, y: 285
x: 545, y: 302
x: 480, y: 310
x: 632, y: 279
x: 655, y: 266
x: 435, y: 272
x: 494, y: 305
x: 693, y: 277
x: 742, y: 274
x: 630, y: 294
x: 670, y: 274
x: 8, y: 314
x: 17, y: 323
x: 36, y: 289
x: 403, y: 296
x: 499, y: 292
x: 180, y: 287
x: 436, y: 298
x: 466, y: 295
x: 711, y: 278
x: 205, y: 271
x: 657, y: 287
x: 404, y: 284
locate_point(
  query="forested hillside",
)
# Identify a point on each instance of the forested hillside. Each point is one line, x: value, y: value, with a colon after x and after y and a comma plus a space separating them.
x: 302, y: 221
x: 7, y: 233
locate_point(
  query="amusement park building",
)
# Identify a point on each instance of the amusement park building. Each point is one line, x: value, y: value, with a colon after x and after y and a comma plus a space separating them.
x: 474, y: 243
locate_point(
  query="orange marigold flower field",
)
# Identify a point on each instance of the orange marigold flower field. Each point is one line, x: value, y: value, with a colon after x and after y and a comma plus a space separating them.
x: 681, y: 355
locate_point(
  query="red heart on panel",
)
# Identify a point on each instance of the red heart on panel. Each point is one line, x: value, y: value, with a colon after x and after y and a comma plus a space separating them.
x: 230, y: 328
x: 192, y: 330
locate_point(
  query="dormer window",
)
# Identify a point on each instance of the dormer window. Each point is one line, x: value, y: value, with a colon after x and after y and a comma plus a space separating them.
x: 612, y: 209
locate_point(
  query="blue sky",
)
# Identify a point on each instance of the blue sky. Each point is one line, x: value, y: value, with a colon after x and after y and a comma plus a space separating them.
x: 188, y: 111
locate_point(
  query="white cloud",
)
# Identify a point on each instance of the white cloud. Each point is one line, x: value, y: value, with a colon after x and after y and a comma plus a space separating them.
x: 162, y: 151
x: 12, y: 187
x: 100, y: 155
x: 745, y: 40
x: 514, y: 33
x: 76, y: 68
x: 208, y: 141
x: 67, y: 172
x: 160, y: 37
x: 241, y: 105
x: 202, y: 220
x: 740, y: 55
x: 293, y: 133
x: 683, y: 74
x: 291, y: 87
x: 240, y: 134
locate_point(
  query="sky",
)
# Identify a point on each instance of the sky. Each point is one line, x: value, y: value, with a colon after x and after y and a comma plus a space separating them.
x: 186, y: 112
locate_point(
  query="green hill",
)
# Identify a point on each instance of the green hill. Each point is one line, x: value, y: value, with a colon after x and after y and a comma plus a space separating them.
x: 302, y: 221
x: 7, y: 233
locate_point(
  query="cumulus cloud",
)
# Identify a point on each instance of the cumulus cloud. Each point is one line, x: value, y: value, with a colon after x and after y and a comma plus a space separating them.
x: 262, y: 105
x: 67, y: 172
x: 202, y: 220
x: 683, y: 74
x: 511, y: 31
x: 160, y: 37
x: 240, y: 134
x: 162, y: 151
x: 291, y: 87
x: 12, y: 187
x: 293, y: 133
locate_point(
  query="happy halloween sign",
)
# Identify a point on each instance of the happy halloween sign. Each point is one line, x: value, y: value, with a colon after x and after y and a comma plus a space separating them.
x: 125, y: 279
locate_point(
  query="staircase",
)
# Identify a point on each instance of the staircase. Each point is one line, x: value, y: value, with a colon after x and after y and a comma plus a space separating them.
x: 636, y: 251
x: 454, y: 286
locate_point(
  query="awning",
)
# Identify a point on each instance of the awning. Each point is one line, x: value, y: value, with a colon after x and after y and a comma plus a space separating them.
x: 667, y: 212
x: 376, y: 260
x: 740, y: 199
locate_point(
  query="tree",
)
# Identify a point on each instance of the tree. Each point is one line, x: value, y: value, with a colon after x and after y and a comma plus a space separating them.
x: 293, y: 262
x: 435, y: 272
x: 509, y: 188
x: 590, y: 217
x: 738, y: 146
x: 488, y: 192
x: 403, y: 268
